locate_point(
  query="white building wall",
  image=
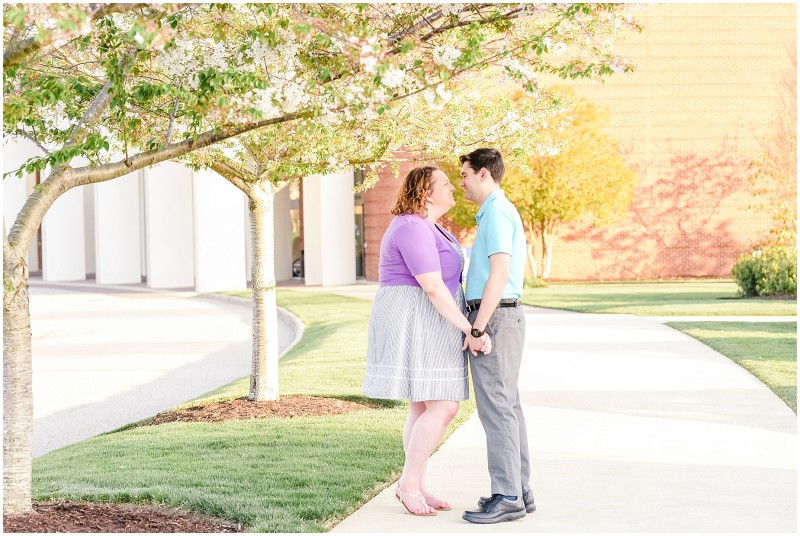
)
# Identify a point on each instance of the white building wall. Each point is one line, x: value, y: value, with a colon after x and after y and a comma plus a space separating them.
x: 170, y: 237
x: 283, y: 236
x: 63, y: 239
x: 178, y: 229
x: 219, y: 253
x: 329, y: 229
x: 117, y: 238
x: 17, y: 189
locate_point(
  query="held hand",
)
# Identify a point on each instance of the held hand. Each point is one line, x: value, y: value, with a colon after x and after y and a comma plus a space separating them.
x: 487, y: 344
x: 473, y: 344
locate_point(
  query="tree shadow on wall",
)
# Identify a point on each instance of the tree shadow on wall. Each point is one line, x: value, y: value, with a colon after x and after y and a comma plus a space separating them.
x: 686, y: 222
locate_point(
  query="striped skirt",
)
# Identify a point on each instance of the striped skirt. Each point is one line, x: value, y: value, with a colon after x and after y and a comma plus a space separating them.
x: 413, y: 353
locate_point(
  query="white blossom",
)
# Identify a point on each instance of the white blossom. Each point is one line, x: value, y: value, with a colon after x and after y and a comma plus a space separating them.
x: 442, y: 92
x: 446, y: 55
x: 380, y: 96
x: 393, y: 77
x: 261, y: 52
x: 178, y: 61
x: 217, y: 57
x: 451, y: 9
x: 617, y: 65
x: 430, y: 98
x: 560, y: 48
x: 294, y: 97
x: 369, y: 63
x: 263, y: 102
x: 330, y: 119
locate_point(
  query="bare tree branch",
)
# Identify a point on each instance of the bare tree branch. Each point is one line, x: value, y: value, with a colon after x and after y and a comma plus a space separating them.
x: 30, y: 137
x: 231, y: 175
x: 171, y: 121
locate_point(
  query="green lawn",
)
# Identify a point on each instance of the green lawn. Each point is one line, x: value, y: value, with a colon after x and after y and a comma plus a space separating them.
x: 768, y: 350
x: 655, y: 299
x: 276, y: 475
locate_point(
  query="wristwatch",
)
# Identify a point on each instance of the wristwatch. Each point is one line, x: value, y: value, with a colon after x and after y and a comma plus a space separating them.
x: 477, y: 333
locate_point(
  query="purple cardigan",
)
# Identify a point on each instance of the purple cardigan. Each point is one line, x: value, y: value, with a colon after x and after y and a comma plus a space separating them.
x: 411, y: 246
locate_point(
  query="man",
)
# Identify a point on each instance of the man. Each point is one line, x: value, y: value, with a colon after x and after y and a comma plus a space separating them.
x: 493, y: 292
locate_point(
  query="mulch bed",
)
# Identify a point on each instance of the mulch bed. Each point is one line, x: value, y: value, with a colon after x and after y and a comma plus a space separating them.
x: 89, y: 517
x: 94, y: 517
x: 243, y: 409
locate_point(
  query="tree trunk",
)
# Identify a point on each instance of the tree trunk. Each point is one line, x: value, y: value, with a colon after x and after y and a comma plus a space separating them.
x: 548, y: 239
x: 531, y: 235
x: 17, y: 387
x: 264, y: 375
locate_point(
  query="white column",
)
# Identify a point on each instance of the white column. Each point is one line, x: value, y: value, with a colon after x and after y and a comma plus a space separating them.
x: 63, y: 239
x: 17, y: 189
x: 170, y: 237
x: 329, y: 230
x: 117, y: 239
x: 219, y: 252
x: 89, y: 228
x: 283, y: 236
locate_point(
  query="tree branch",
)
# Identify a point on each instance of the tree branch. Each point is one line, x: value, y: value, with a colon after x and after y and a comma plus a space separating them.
x: 30, y: 137
x: 426, y: 21
x: 231, y: 175
x: 513, y: 14
x: 171, y: 121
x: 18, y: 52
x: 93, y: 174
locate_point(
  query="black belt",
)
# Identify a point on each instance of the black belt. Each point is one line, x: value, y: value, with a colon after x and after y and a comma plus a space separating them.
x: 474, y: 305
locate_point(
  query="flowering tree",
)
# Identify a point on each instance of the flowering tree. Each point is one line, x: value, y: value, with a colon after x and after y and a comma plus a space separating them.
x: 129, y: 88
x: 580, y: 173
x: 560, y: 169
x: 263, y: 162
x: 774, y: 177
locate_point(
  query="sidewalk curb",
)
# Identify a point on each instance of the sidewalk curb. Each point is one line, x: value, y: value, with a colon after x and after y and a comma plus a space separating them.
x: 293, y: 321
x: 290, y: 318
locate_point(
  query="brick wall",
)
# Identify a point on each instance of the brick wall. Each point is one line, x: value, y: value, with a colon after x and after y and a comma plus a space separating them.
x: 689, y: 119
x: 378, y: 203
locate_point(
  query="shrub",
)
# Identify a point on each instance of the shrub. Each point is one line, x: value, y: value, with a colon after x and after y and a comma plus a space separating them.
x: 772, y: 272
x: 534, y: 282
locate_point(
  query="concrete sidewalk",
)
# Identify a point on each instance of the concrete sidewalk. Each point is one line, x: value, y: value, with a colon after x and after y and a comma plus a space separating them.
x: 633, y: 426
x: 104, y: 357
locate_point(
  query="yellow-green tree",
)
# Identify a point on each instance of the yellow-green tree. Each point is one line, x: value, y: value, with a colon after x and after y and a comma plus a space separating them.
x: 774, y: 179
x: 580, y: 173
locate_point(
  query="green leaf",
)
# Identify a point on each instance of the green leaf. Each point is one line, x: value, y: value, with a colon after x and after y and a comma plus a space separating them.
x: 14, y: 16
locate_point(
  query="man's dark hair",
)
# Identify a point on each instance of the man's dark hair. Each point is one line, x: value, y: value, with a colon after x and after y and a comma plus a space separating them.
x: 485, y: 157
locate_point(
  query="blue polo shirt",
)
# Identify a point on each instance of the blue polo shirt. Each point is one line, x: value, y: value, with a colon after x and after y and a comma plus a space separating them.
x: 499, y: 231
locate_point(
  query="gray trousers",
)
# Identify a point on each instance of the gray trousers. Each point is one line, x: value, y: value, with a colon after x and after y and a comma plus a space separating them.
x: 495, y: 377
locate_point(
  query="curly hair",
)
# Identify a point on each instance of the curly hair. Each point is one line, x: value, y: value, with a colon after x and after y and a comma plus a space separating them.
x: 414, y: 192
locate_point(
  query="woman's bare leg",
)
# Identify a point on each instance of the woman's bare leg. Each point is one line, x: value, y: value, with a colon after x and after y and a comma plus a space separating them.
x: 426, y: 433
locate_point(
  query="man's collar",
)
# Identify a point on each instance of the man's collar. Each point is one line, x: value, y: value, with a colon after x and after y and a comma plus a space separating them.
x: 498, y: 193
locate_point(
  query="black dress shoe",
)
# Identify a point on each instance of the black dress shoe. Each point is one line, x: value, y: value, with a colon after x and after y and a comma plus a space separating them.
x: 495, y: 510
x: 527, y: 498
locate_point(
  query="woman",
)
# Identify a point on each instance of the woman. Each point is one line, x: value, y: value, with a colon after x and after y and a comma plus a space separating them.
x: 414, y: 348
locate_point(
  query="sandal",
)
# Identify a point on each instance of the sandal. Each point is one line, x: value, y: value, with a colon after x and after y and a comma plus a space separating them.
x: 413, y: 495
x: 439, y: 508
